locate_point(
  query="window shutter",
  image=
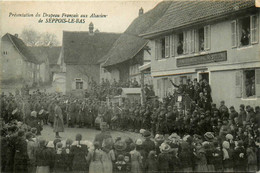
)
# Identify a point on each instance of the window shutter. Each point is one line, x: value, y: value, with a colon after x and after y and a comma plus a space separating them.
x: 156, y: 50
x: 192, y: 41
x: 207, y: 37
x: 172, y: 45
x: 234, y: 33
x: 257, y: 82
x: 158, y: 87
x: 167, y: 46
x: 238, y: 84
x: 254, y: 29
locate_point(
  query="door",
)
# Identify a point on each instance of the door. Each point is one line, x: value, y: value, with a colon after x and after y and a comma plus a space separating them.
x: 204, y: 75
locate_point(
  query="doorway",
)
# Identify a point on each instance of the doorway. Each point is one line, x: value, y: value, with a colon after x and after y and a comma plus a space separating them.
x: 204, y: 75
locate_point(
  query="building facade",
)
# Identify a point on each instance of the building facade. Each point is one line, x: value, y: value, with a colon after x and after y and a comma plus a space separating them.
x: 18, y: 64
x: 219, y: 44
x: 80, y: 55
x: 131, y: 51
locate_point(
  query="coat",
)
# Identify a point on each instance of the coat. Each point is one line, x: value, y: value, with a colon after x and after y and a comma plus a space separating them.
x: 240, y: 159
x: 21, y: 156
x: 79, y: 153
x: 58, y: 120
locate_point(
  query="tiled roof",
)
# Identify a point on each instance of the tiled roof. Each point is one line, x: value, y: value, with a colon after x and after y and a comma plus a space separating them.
x: 21, y: 48
x: 83, y: 48
x: 186, y: 12
x: 130, y: 43
x: 42, y: 52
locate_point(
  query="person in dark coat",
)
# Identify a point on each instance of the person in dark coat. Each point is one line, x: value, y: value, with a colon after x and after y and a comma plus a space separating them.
x: 44, y: 158
x: 186, y: 157
x: 240, y: 158
x: 58, y: 120
x: 148, y: 144
x: 79, y: 151
x: 164, y: 158
x: 59, y: 162
x: 20, y: 157
x: 151, y: 164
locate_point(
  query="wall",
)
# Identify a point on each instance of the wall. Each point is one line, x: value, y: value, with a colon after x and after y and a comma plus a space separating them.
x: 85, y: 72
x: 13, y: 65
x: 223, y: 82
x: 221, y: 74
x: 220, y: 41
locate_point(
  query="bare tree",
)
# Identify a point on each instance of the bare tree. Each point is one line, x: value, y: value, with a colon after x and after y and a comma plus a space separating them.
x: 48, y: 39
x: 34, y: 38
x: 30, y: 37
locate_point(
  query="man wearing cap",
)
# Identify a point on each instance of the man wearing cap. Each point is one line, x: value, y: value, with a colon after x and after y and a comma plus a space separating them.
x: 233, y: 113
x: 58, y: 125
x: 242, y: 114
x: 148, y: 144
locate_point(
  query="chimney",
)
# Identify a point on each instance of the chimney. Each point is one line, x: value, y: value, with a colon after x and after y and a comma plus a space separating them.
x: 91, y: 28
x: 141, y: 11
x: 16, y: 35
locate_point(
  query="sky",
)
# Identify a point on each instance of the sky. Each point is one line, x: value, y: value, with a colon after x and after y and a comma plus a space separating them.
x: 120, y: 14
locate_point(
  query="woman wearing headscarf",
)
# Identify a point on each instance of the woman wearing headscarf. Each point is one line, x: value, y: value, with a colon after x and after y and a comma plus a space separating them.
x: 227, y: 157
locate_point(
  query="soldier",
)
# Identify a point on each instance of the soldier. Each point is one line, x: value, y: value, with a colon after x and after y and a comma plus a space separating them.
x: 58, y: 125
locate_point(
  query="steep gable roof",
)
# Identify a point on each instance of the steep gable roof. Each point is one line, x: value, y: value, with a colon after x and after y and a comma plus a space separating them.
x: 83, y: 48
x: 21, y: 48
x: 42, y: 52
x: 187, y: 12
x: 130, y: 43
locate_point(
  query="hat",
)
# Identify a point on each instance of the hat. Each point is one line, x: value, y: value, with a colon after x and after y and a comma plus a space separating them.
x: 41, y: 111
x: 147, y: 134
x: 142, y: 131
x: 229, y: 137
x: 185, y: 138
x: 165, y: 148
x: 139, y: 142
x: 159, y: 138
x: 231, y: 107
x: 120, y: 145
x: 174, y: 136
x: 34, y: 114
x: 226, y: 145
x: 209, y: 136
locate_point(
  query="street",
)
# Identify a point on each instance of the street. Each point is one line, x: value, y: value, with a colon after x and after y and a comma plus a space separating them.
x: 87, y: 134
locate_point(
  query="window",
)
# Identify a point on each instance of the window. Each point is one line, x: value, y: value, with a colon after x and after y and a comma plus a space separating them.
x: 244, y: 31
x: 180, y: 44
x: 79, y: 84
x: 201, y: 39
x: 4, y: 52
x: 207, y: 37
x: 249, y: 83
x: 163, y: 48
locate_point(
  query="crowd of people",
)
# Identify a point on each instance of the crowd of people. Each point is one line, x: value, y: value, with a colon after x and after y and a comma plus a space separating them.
x: 200, y: 138
x: 106, y: 89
